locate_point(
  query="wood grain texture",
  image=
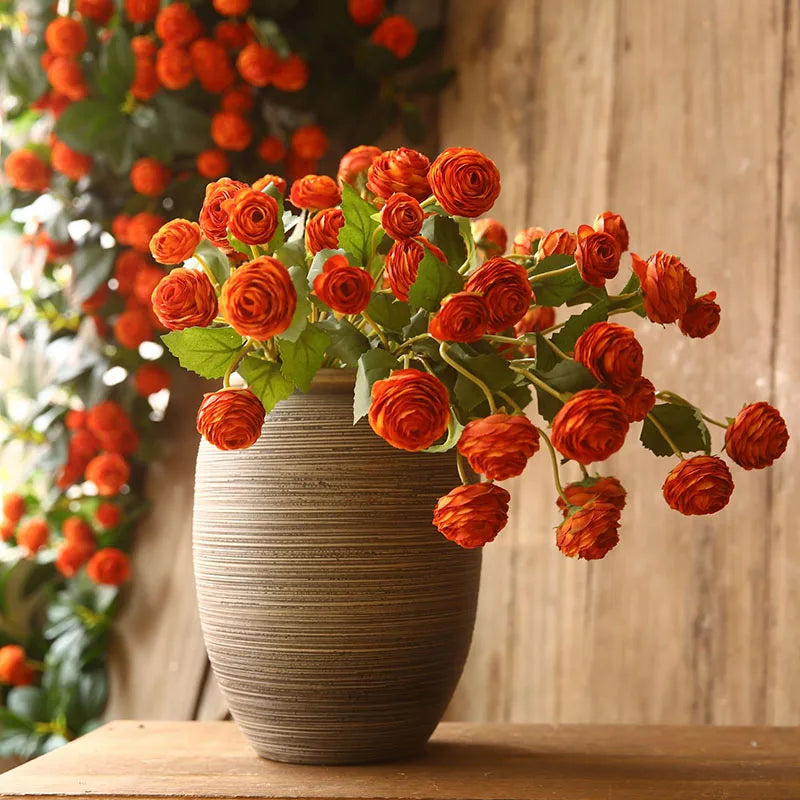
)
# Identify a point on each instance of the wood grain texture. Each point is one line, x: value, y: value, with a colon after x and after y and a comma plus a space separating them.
x: 336, y: 618
x: 159, y: 760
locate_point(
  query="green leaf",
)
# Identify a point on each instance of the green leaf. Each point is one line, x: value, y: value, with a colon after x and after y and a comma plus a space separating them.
x: 390, y: 314
x: 546, y: 357
x: 565, y: 338
x: 26, y: 702
x: 117, y: 66
x: 91, y: 266
x: 239, y: 247
x: 302, y: 358
x: 557, y: 289
x: 566, y: 377
x: 266, y: 381
x: 217, y: 261
x: 359, y: 227
x: 347, y: 343
x: 435, y: 280
x: 493, y: 370
x: 189, y: 126
x: 278, y: 238
x: 373, y: 365
x: 149, y: 134
x: 633, y: 286
x: 97, y: 127
x: 300, y: 318
x: 683, y: 424
x: 454, y: 431
x: 446, y: 235
x: 292, y: 254
x: 206, y: 351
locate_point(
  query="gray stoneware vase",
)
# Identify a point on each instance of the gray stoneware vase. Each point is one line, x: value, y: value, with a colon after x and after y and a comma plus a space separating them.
x: 337, y: 619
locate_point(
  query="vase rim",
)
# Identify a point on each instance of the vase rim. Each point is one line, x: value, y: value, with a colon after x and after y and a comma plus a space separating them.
x: 333, y: 381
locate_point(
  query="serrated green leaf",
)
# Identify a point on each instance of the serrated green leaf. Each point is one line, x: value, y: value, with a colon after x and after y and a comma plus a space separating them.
x: 557, y: 289
x: 91, y: 266
x: 633, y: 286
x: 97, y: 127
x: 266, y: 381
x: 302, y: 358
x: 347, y: 343
x: 359, y: 227
x: 683, y: 424
x: 206, y: 351
x: 117, y: 66
x: 546, y: 357
x: 565, y: 338
x: 492, y: 369
x: 216, y: 260
x: 391, y: 314
x: 435, y: 280
x: 446, y: 235
x: 239, y: 247
x: 300, y: 317
x: 292, y: 254
x: 373, y: 365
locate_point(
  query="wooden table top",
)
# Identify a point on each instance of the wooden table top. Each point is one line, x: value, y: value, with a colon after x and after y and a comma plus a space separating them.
x: 155, y: 760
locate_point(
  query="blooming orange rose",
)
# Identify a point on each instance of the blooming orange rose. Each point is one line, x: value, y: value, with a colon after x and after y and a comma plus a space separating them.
x: 75, y: 419
x: 397, y: 34
x: 77, y: 530
x: 639, y: 397
x: 291, y: 74
x: 257, y: 64
x: 462, y: 317
x: 238, y: 98
x: 13, y: 669
x: 464, y: 181
x: 126, y: 267
x: 506, y: 289
x: 365, y: 12
x: 185, y: 299
x: 141, y: 229
x: 757, y: 436
x: 13, y: 506
x: 699, y: 485
x: 500, y: 445
x: 271, y: 149
x: 315, y: 192
x: 590, y: 532
x: 177, y: 24
x: 66, y: 77
x: 109, y: 567
x: 65, y: 36
x: 150, y: 378
x: 231, y: 8
x: 175, y: 241
x: 557, y: 242
x: 402, y: 216
x: 259, y: 299
x: 309, y: 141
x: 149, y: 176
x: 234, y: 35
x: 174, y: 67
x: 590, y: 426
x: 401, y: 170
x: 230, y: 419
x: 472, y: 516
x: 490, y: 237
x: 109, y: 472
x: 667, y: 285
x: 69, y: 162
x: 214, y: 216
x: 597, y: 255
x: 322, y: 230
x: 608, y: 222
x: 99, y: 11
x: 402, y: 264
x: 71, y: 557
x: 212, y: 163
x: 132, y: 328
x: 410, y: 409
x: 605, y: 490
x: 252, y: 216
x: 231, y: 131
x: 32, y: 535
x: 141, y: 10
x: 611, y: 353
x: 26, y: 171
x: 523, y: 241
x: 145, y: 80
x: 701, y: 317
x: 356, y: 162
x: 108, y: 515
x: 276, y: 180
x: 344, y: 288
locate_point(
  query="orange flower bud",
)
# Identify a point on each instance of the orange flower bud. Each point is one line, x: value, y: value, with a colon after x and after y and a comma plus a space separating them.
x: 78, y: 531
x: 109, y: 567
x: 99, y: 11
x: 174, y: 67
x: 109, y: 472
x: 490, y: 237
x: 322, y: 230
x: 144, y: 47
x: 356, y: 162
x: 556, y: 243
x: 505, y: 287
x: 177, y: 24
x: 259, y: 299
x: 667, y: 285
x: 230, y: 419
x: 701, y: 317
x: 26, y: 171
x: 365, y: 12
x: 402, y: 264
x: 211, y: 66
x: 410, y: 409
x: 13, y: 669
x: 639, y: 397
x: 231, y: 131
x: 397, y: 34
x: 611, y: 353
x: 757, y: 436
x: 132, y: 328
x: 185, y: 299
x: 464, y: 181
x: 605, y: 490
x: 257, y: 64
x: 13, y: 506
x: 212, y: 163
x: 276, y: 180
x: 699, y: 485
x: 146, y: 281
x: 402, y: 216
x: 590, y: 532
x: 315, y: 192
x: 213, y: 216
x: 231, y: 8
x: 82, y: 446
x: 500, y: 445
x: 252, y: 216
x: 401, y: 170
x: 234, y: 35
x: 472, y: 516
x: 108, y: 422
x: 66, y: 77
x: 597, y: 255
x: 175, y: 241
x: 462, y: 317
x: 145, y: 80
x: 141, y: 229
x: 32, y: 535
x: 590, y: 426
x: 297, y: 167
x: 127, y: 266
x: 75, y: 419
x: 608, y: 222
x: 150, y: 378
x: 72, y: 556
x: 141, y: 10
x: 65, y: 36
x: 343, y: 288
x: 7, y: 530
x: 291, y: 74
x: 238, y: 99
x: 108, y: 515
x: 523, y: 241
x: 271, y: 149
x: 309, y: 142
x: 149, y: 176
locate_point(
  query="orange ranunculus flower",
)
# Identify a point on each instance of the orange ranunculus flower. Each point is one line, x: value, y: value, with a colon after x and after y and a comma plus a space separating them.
x: 230, y: 419
x: 146, y: 281
x: 13, y: 669
x: 500, y: 445
x: 13, y: 506
x: 490, y: 237
x: 149, y: 176
x: 82, y: 446
x: 212, y: 164
x: 109, y: 567
x: 608, y: 222
x: 66, y: 36
x: 604, y: 490
x: 69, y: 162
x: 315, y: 192
x: 397, y: 34
x: 291, y: 74
x: 214, y: 216
x: 701, y: 317
x: 611, y: 353
x: 109, y: 472
x: 401, y: 170
x: 271, y: 149
x: 127, y: 266
x: 259, y: 299
x: 557, y: 242
x: 590, y: 426
x: 231, y: 131
x: 108, y: 515
x: 504, y: 284
x: 344, y: 288
x: 234, y: 35
x: 365, y: 12
x: 174, y: 67
x: 356, y: 162
x: 276, y: 180
x: 464, y: 181
x: 175, y: 241
x: 141, y: 10
x: 71, y: 556
x: 538, y: 318
x: 150, y: 378
x: 105, y: 421
x: 231, y: 8
x: 472, y: 516
x: 7, y: 530
x: 177, y: 24
x: 145, y: 80
x: 75, y: 419
x: 26, y: 171
x: 402, y: 216
x: 257, y: 64
x: 239, y: 99
x: 402, y: 264
x: 322, y: 230
x: 309, y: 141
x: 33, y: 535
x: 698, y: 485
x: 99, y: 11
x: 590, y: 532
x: 668, y: 287
x: 141, y: 229
x: 523, y: 241
x: 144, y: 47
x: 252, y: 216
x: 212, y: 67
x: 185, y: 299
x: 410, y: 409
x: 66, y: 77
x: 639, y: 397
x: 597, y: 255
x: 78, y: 530
x: 132, y: 328
x: 757, y: 436
x: 462, y: 317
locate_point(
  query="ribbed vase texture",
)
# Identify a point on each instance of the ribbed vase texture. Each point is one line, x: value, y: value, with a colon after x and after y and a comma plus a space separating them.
x: 337, y: 619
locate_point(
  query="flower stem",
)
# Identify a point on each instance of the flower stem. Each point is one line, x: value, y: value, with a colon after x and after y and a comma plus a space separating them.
x: 511, y: 402
x: 204, y: 264
x: 236, y: 360
x: 660, y: 428
x: 376, y: 237
x: 428, y: 201
x: 557, y: 350
x: 543, y: 276
x: 537, y: 381
x: 378, y: 332
x: 713, y: 421
x: 462, y: 473
x: 625, y: 310
x: 468, y: 375
x: 554, y: 462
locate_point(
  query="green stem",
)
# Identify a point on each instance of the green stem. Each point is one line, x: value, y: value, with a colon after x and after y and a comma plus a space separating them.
x: 428, y: 201
x: 510, y: 402
x: 625, y: 310
x: 380, y: 334
x: 376, y: 237
x: 419, y: 338
x: 235, y: 361
x: 200, y: 260
x: 468, y: 375
x: 543, y: 276
x: 554, y: 461
x: 537, y: 381
x: 614, y: 297
x: 557, y: 350
x: 461, y: 470
x: 503, y: 339
x: 713, y: 421
x: 660, y: 428
x: 255, y: 251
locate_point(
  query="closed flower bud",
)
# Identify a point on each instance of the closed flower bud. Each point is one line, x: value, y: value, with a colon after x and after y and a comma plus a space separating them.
x: 639, y: 398
x: 256, y: 64
x: 177, y: 24
x: 605, y: 490
x: 71, y: 556
x: 402, y: 216
x: 538, y: 318
x: 174, y: 67
x: 556, y: 243
x: 231, y: 131
x: 365, y: 12
x: 252, y: 216
x: 132, y: 328
x: 505, y: 287
x: 212, y: 163
x: 276, y: 180
x: 462, y: 317
x: 608, y: 222
x: 13, y: 506
x: 291, y: 74
x: 230, y: 419
x: 322, y: 230
x: 611, y: 353
x: 109, y: 567
x: 402, y: 264
x: 69, y: 162
x: 464, y: 181
x: 701, y: 317
x: 757, y: 436
x: 397, y: 34
x: 185, y: 299
x: 150, y: 378
x: 472, y: 516
x: 13, y: 669
x: 109, y: 472
x: 141, y: 10
x: 175, y: 241
x: 356, y: 162
x: 66, y: 77
x: 108, y: 515
x: 65, y: 36
x: 590, y: 532
x: 668, y: 287
x: 525, y: 239
x: 699, y: 485
x: 490, y: 237
x: 597, y: 255
x: 26, y: 171
x: 32, y: 535
x: 141, y: 229
x: 343, y: 288
x: 149, y: 177
x: 214, y: 216
x: 309, y: 141
x: 315, y: 193
x: 500, y: 445
x: 401, y: 170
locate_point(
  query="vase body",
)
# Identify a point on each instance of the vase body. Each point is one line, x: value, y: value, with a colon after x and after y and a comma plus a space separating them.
x: 337, y: 619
